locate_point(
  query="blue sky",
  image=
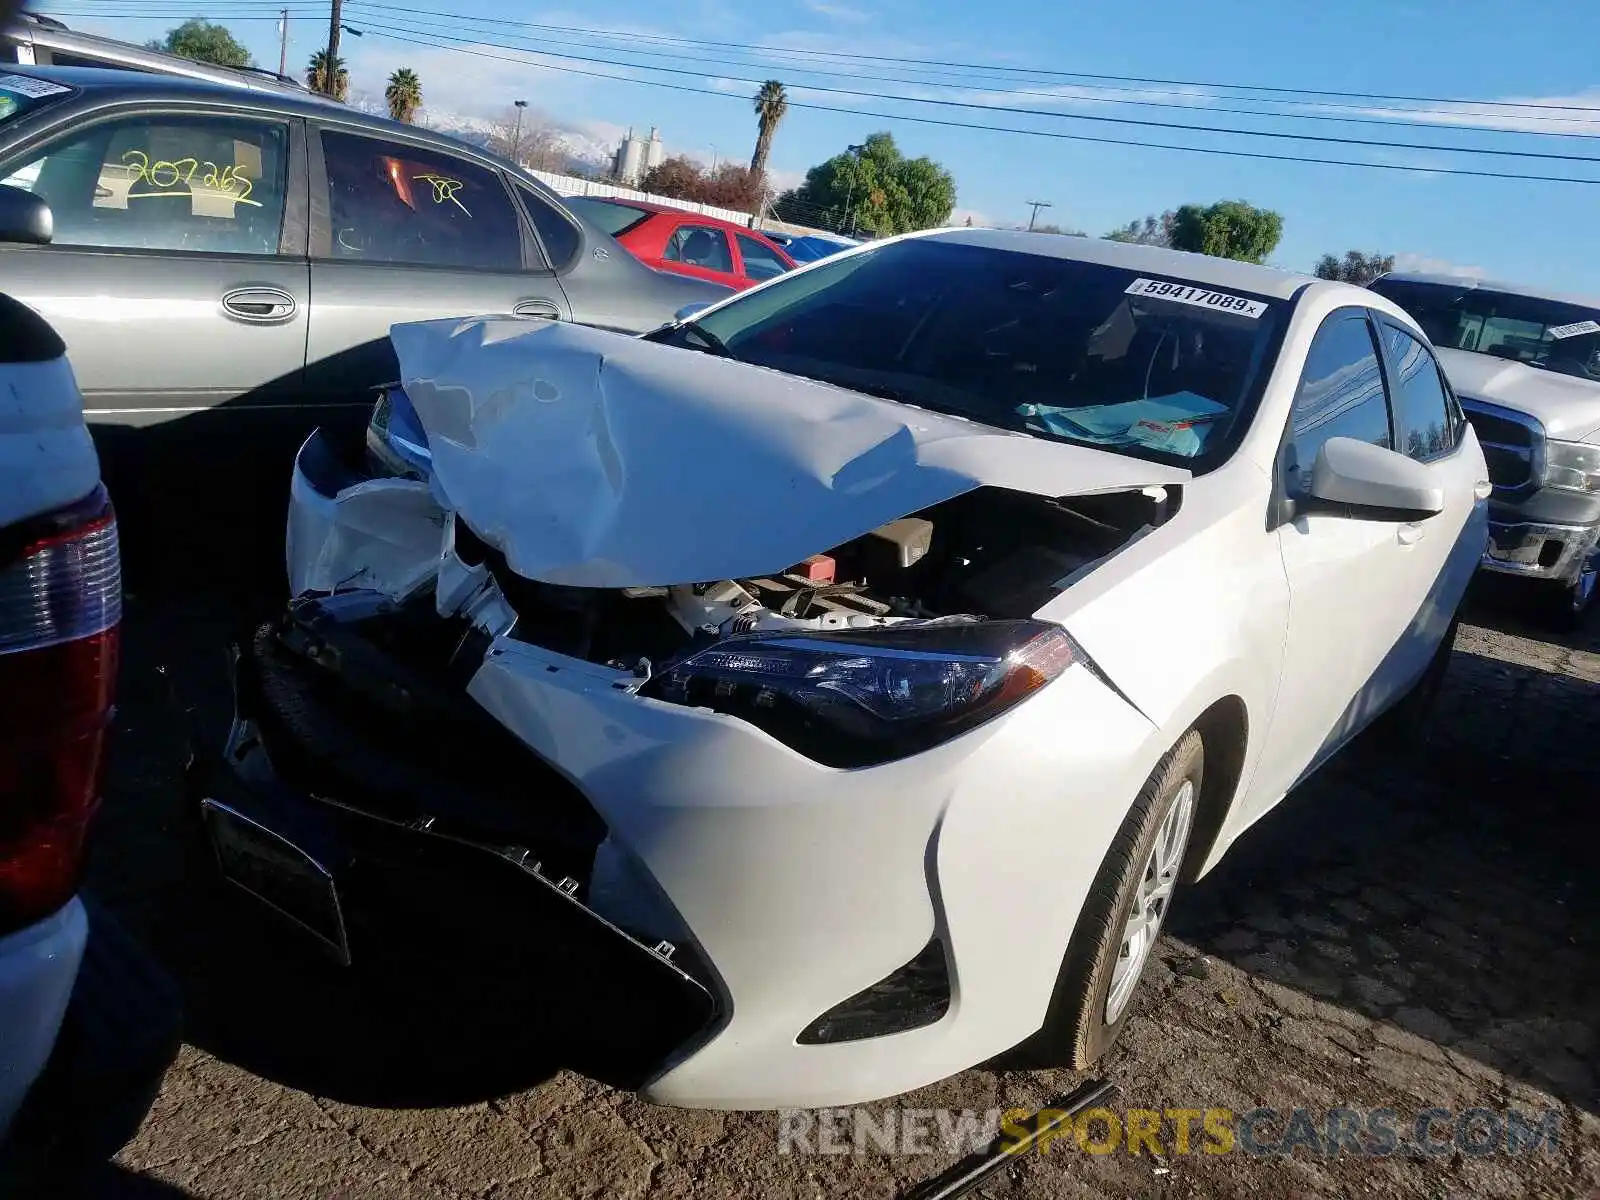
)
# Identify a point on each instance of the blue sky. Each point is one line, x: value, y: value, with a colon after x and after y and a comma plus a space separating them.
x: 1536, y: 232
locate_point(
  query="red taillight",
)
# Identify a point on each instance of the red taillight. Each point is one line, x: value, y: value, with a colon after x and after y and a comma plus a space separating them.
x: 60, y: 606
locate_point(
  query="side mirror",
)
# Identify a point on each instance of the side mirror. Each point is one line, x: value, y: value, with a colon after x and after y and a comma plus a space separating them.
x: 25, y: 217
x: 1376, y: 482
x: 689, y: 310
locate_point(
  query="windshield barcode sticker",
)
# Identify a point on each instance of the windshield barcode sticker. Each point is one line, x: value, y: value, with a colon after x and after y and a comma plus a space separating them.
x: 1183, y: 293
x: 22, y: 85
x: 1573, y: 330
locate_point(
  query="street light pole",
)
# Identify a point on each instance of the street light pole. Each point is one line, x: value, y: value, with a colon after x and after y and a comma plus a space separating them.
x: 283, y: 42
x: 516, y: 138
x: 1037, y: 205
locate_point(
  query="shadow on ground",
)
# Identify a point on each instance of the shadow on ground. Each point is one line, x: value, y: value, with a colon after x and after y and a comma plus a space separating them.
x: 1452, y: 892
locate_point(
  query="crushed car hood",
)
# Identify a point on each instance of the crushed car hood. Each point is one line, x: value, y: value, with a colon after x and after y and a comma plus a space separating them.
x: 595, y: 460
x: 1567, y: 407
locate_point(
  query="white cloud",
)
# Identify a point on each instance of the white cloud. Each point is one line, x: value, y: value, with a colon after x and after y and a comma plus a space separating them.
x: 981, y: 220
x: 1578, y: 113
x: 1422, y: 264
x: 838, y: 12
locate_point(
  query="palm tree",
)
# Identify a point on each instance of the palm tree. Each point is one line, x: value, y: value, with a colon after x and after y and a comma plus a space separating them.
x: 404, y: 95
x: 771, y: 104
x: 317, y: 76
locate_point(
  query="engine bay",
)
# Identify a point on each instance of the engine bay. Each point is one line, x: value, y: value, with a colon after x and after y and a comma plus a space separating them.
x: 989, y: 553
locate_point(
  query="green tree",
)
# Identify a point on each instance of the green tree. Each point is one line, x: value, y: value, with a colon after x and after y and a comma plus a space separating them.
x: 1151, y: 231
x: 873, y: 189
x: 1227, y: 229
x: 404, y: 95
x: 1355, y: 267
x: 317, y: 76
x: 771, y: 104
x: 202, y: 41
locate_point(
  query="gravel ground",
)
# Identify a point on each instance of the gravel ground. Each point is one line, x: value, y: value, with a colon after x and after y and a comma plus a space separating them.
x: 1399, y: 934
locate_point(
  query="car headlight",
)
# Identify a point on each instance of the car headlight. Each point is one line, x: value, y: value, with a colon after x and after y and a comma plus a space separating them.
x: 396, y: 442
x: 1574, y: 466
x: 860, y: 697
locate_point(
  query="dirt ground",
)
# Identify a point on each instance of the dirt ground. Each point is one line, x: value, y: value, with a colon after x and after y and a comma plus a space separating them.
x: 1402, y: 934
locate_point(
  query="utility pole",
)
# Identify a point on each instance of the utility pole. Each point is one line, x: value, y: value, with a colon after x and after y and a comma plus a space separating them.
x: 283, y: 42
x: 516, y: 138
x: 1037, y: 205
x: 330, y: 82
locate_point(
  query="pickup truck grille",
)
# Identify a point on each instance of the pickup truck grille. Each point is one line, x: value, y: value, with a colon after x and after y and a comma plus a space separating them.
x: 1511, y: 443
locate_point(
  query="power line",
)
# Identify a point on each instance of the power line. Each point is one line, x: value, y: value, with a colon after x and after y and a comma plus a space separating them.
x: 972, y: 67
x: 1054, y: 135
x: 1018, y: 110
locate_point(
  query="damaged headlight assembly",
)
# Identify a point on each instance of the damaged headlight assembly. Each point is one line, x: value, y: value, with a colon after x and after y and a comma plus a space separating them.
x: 397, y: 445
x: 857, y: 698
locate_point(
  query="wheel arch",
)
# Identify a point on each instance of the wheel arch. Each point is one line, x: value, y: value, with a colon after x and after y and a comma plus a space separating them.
x: 1224, y: 730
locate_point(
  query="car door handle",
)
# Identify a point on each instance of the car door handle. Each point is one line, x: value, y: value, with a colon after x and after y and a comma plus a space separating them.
x: 1412, y: 533
x: 259, y: 305
x: 537, y: 308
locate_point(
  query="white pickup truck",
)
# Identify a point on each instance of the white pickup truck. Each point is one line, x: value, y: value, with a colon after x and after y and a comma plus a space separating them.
x: 1525, y: 364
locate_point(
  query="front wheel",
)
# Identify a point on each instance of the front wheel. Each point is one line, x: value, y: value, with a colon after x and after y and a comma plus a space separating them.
x: 1122, y: 917
x: 1568, y: 606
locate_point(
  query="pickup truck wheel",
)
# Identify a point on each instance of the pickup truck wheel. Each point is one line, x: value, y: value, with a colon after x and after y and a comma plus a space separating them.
x: 1576, y: 601
x: 1122, y: 917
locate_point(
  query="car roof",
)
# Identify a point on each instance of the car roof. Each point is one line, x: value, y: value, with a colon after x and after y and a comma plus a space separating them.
x: 1221, y: 273
x: 1473, y: 283
x: 652, y: 206
x: 105, y: 85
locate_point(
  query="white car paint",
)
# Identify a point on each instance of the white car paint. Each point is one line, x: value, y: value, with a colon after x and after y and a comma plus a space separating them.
x: 1567, y: 407
x: 46, y: 460
x: 804, y: 884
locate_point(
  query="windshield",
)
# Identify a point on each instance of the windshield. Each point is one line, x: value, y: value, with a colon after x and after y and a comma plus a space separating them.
x: 1552, y: 334
x: 21, y: 94
x: 1153, y: 367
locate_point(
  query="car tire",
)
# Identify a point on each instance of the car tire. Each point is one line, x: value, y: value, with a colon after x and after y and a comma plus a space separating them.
x: 1084, y: 1019
x: 1567, y: 607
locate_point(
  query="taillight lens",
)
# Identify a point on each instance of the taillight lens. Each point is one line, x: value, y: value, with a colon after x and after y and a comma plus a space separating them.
x: 60, y: 607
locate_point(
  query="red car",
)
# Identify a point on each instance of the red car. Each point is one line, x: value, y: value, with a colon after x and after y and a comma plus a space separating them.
x: 687, y: 243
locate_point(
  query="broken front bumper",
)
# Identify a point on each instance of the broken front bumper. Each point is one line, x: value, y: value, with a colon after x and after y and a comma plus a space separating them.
x: 835, y: 935
x: 329, y: 824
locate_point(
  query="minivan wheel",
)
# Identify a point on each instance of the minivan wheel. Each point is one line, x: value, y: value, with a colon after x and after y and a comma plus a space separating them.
x: 1122, y: 917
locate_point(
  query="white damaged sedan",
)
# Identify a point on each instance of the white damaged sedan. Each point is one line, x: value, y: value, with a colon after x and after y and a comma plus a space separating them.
x: 870, y: 657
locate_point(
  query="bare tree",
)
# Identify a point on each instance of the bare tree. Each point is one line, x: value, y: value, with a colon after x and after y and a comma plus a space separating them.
x: 534, y: 146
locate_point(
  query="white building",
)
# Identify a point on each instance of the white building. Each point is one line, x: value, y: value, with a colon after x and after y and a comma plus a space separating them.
x: 637, y: 156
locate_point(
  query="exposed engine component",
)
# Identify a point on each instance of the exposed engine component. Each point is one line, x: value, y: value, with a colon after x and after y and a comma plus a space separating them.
x: 989, y: 553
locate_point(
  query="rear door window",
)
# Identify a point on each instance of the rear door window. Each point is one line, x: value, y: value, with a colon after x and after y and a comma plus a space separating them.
x: 1425, y: 423
x: 560, y: 236
x: 393, y: 203
x: 700, y: 246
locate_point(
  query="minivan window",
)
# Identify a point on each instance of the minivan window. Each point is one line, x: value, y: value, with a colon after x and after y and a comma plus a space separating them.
x: 393, y: 203
x: 1060, y: 349
x: 194, y: 183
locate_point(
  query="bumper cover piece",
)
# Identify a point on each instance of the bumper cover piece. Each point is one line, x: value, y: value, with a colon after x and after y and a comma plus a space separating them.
x: 415, y: 868
x: 1536, y: 550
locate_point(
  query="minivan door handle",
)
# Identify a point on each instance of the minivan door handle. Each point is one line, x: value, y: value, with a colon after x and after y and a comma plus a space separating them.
x: 537, y: 308
x: 259, y: 305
